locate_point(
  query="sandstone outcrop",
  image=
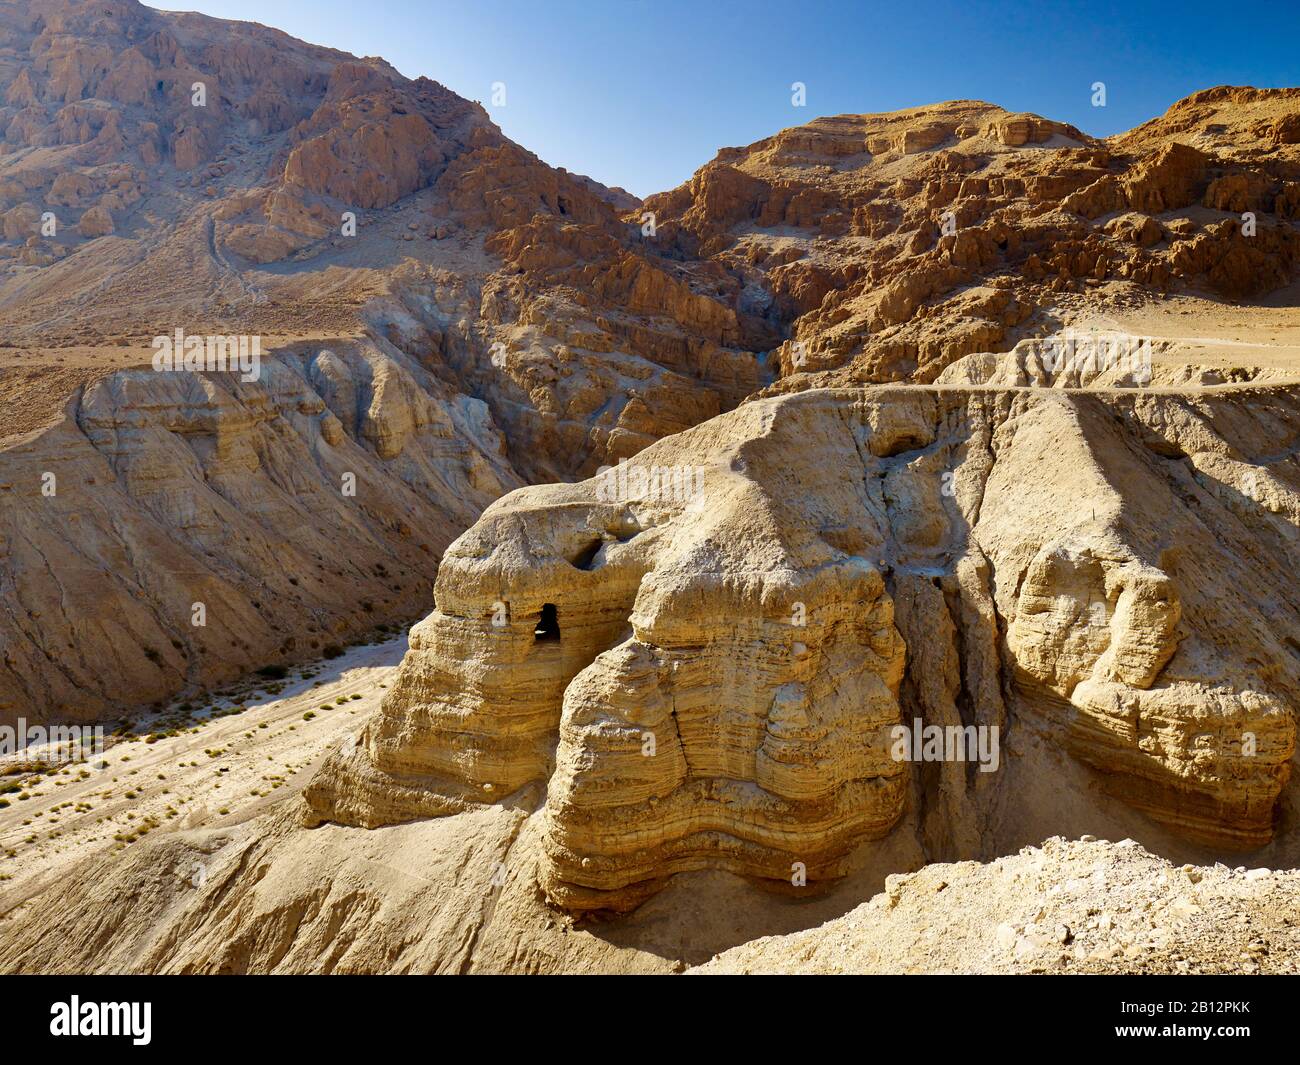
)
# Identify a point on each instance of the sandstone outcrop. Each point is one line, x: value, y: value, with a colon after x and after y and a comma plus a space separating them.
x: 711, y: 680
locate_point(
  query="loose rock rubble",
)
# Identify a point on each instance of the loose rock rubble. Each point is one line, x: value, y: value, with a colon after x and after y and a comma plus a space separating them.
x: 1085, y: 906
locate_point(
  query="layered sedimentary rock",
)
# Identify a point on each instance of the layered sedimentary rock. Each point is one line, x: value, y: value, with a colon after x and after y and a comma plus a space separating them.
x: 699, y: 664
x: 720, y: 737
x: 712, y: 681
x: 237, y: 151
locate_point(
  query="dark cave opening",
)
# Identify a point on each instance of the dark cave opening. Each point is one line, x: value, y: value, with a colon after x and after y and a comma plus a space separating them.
x: 548, y: 625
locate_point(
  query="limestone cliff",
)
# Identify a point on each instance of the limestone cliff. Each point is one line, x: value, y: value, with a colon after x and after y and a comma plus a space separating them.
x: 894, y: 244
x: 711, y: 680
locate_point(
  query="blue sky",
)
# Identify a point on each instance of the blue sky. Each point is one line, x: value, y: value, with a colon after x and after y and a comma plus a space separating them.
x: 640, y: 94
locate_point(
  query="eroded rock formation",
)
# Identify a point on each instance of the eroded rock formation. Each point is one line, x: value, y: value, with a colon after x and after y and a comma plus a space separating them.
x: 729, y: 665
x: 447, y: 317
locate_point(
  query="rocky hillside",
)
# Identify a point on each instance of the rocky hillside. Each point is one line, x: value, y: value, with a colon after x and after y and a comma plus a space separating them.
x: 897, y: 243
x: 314, y: 194
x: 442, y: 316
x: 1066, y: 907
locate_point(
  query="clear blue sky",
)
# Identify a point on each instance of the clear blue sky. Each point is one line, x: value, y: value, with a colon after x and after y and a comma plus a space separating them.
x: 640, y: 94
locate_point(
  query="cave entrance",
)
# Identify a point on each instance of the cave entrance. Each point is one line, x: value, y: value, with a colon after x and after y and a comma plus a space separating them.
x: 548, y: 625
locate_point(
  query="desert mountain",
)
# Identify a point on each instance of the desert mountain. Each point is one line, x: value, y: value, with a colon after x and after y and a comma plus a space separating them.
x: 482, y: 289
